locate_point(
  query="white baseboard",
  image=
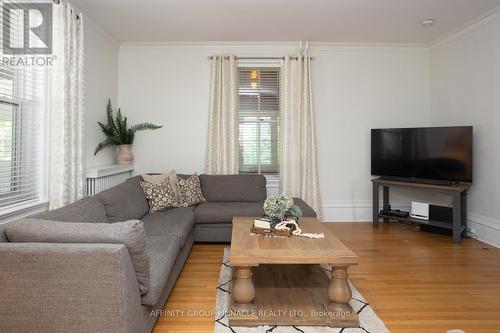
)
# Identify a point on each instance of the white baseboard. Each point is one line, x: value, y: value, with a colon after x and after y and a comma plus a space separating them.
x: 484, y: 228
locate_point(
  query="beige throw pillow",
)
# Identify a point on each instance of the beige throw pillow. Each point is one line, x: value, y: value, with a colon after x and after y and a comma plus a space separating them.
x: 154, y: 179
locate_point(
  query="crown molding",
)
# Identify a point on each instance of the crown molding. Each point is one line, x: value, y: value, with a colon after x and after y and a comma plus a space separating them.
x: 209, y: 45
x: 475, y: 24
x: 269, y: 47
x: 328, y: 46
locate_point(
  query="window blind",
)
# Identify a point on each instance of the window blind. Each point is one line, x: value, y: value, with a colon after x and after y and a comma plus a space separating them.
x: 259, y: 119
x: 22, y: 138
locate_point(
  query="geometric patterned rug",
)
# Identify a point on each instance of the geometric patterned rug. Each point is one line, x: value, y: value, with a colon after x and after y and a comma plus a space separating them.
x: 369, y: 322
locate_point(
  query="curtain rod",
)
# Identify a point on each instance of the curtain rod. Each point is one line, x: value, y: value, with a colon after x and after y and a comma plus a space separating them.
x: 58, y: 2
x: 260, y: 58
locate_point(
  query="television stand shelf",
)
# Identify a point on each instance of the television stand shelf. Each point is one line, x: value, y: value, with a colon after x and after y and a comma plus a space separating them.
x: 457, y: 191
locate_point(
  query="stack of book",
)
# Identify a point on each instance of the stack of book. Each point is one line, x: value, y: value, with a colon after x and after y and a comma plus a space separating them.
x: 265, y: 226
x: 264, y: 223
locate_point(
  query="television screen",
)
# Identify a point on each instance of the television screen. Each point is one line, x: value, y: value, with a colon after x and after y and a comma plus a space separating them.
x: 441, y: 153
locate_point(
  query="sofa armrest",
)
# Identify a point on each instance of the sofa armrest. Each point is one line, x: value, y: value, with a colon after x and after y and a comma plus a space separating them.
x: 3, y: 237
x: 46, y: 287
x: 307, y: 210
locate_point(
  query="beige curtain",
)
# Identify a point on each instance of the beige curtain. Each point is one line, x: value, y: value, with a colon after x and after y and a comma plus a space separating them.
x: 67, y: 118
x: 299, y: 167
x: 222, y: 146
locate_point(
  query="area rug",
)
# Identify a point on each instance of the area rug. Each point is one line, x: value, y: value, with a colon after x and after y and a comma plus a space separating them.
x: 369, y: 322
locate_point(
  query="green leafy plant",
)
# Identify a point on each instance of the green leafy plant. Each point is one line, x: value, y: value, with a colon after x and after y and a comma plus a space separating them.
x: 295, y: 212
x: 280, y: 206
x: 117, y: 131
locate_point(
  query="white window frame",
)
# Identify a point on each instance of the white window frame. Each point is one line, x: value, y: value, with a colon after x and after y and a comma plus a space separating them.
x: 27, y: 207
x: 263, y: 63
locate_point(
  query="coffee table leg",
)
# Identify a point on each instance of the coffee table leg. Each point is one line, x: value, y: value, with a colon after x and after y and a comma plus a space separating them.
x: 339, y: 290
x: 243, y: 291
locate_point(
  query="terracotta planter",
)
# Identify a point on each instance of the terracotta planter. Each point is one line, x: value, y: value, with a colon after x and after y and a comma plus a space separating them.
x: 124, y: 155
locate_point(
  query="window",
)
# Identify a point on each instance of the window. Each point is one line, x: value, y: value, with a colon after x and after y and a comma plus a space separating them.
x: 22, y: 156
x: 259, y: 119
x: 22, y: 126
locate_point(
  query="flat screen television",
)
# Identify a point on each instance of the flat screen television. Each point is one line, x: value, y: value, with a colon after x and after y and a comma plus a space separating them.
x: 433, y: 153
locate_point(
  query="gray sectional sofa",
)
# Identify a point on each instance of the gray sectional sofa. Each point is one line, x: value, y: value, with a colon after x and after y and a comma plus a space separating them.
x: 93, y: 287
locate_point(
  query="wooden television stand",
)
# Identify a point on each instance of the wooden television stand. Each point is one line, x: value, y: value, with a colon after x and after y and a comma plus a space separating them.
x: 457, y: 191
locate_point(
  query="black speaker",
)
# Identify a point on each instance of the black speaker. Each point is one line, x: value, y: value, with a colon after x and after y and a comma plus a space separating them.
x: 441, y: 214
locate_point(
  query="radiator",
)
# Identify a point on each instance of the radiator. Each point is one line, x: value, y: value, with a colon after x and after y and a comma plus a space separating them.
x: 101, y: 178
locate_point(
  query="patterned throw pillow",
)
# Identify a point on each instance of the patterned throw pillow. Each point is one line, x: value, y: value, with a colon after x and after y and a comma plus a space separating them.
x: 190, y: 191
x: 158, y: 179
x: 160, y: 197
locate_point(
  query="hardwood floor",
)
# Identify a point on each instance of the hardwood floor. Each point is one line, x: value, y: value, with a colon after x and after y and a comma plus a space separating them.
x: 417, y: 282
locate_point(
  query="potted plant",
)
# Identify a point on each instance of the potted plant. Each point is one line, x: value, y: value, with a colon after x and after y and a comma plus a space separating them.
x: 119, y: 134
x: 279, y: 207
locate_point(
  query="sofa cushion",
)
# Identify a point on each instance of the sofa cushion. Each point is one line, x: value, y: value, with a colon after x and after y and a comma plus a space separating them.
x: 240, y: 188
x: 162, y: 251
x: 307, y: 211
x: 213, y: 232
x: 125, y: 201
x: 174, y: 222
x: 86, y: 210
x: 223, y: 212
x: 130, y: 233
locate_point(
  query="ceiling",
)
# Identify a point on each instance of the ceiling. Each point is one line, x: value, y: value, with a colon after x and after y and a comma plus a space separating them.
x: 337, y: 21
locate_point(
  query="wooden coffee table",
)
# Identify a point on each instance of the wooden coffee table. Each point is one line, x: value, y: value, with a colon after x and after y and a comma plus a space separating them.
x: 279, y: 281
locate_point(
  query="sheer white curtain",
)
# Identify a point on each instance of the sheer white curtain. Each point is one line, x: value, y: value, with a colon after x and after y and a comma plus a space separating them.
x: 299, y: 167
x: 67, y: 126
x: 222, y: 146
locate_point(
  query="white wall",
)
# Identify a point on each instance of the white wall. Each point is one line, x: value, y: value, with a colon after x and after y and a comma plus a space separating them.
x: 101, y: 72
x: 465, y: 90
x: 356, y: 89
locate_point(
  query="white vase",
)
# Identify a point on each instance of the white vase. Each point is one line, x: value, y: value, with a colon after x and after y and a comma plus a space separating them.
x: 124, y: 155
